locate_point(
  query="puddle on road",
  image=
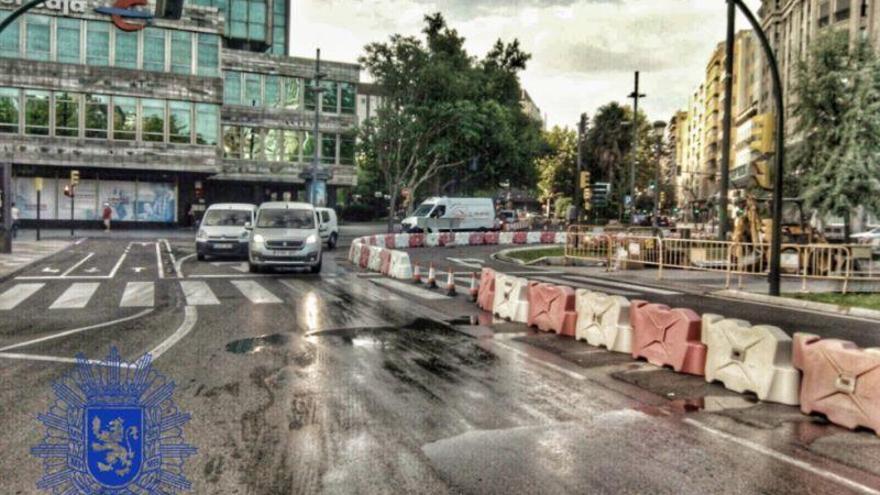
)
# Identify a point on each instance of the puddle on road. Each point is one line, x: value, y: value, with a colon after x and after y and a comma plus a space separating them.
x: 709, y: 403
x: 256, y: 344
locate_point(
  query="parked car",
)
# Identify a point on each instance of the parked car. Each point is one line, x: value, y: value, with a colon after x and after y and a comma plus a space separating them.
x: 870, y: 237
x: 222, y: 230
x: 436, y: 214
x: 329, y: 226
x: 285, y: 234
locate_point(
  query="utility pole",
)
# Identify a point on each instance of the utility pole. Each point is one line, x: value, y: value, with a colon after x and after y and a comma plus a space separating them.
x: 578, y: 190
x: 635, y: 95
x: 724, y: 185
x: 659, y: 127
x: 318, y: 90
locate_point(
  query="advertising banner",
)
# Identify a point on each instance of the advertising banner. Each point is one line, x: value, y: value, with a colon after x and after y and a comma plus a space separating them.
x: 121, y: 197
x: 26, y: 198
x: 156, y: 202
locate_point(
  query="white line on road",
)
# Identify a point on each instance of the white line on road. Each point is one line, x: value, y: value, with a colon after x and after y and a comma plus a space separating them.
x: 806, y: 466
x: 255, y: 292
x: 173, y: 260
x: 76, y: 296
x: 18, y: 293
x: 178, y: 265
x: 76, y: 330
x: 77, y: 265
x: 138, y: 295
x: 409, y: 289
x: 119, y: 263
x: 636, y: 287
x: 159, y: 261
x: 302, y: 290
x: 526, y: 356
x: 231, y: 275
x: 190, y: 317
x: 198, y: 293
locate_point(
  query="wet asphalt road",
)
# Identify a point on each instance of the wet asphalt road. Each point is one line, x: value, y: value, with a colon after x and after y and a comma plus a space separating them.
x: 337, y: 384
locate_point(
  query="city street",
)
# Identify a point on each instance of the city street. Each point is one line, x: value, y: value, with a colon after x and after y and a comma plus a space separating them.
x: 347, y: 382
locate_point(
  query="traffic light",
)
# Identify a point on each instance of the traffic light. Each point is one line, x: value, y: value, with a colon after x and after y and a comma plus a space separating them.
x: 74, y: 178
x: 763, y: 133
x: 762, y: 174
x: 585, y: 180
x: 169, y: 9
x: 68, y: 190
x: 662, y: 198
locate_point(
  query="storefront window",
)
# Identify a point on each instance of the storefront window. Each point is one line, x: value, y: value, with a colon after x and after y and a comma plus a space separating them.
x: 231, y: 142
x: 9, y: 110
x: 252, y: 90
x: 68, y: 38
x: 273, y: 91
x: 97, y: 116
x: 180, y: 122
x: 36, y: 113
x: 124, y: 118
x: 291, y: 146
x: 67, y: 114
x: 207, y: 123
x: 232, y: 88
x: 329, y: 99
x: 37, y: 37
x: 126, y: 49
x: 292, y: 90
x: 271, y: 144
x: 348, y: 100
x: 153, y: 120
x: 181, y: 52
x: 10, y: 37
x: 328, y: 148
x: 252, y: 143
x: 154, y: 49
x: 97, y: 43
x: 209, y: 59
x: 346, y: 149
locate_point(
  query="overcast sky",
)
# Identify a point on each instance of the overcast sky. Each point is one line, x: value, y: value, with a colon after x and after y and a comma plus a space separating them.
x: 584, y: 52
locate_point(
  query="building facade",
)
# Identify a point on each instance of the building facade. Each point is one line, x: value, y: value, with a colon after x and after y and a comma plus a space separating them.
x: 160, y: 120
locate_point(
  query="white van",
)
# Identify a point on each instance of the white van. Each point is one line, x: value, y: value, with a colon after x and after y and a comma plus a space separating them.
x: 443, y: 214
x: 285, y: 235
x: 222, y: 230
x: 329, y: 226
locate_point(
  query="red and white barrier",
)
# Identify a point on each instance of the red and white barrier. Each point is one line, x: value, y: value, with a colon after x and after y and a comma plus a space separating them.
x: 486, y: 293
x: 603, y: 321
x: 668, y: 337
x: 511, y: 298
x: 552, y: 308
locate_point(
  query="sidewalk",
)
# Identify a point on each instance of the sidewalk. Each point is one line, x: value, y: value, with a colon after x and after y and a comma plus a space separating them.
x: 25, y: 252
x: 64, y: 234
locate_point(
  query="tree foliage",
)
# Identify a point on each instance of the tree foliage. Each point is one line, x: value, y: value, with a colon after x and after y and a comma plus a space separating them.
x: 448, y: 117
x: 837, y: 107
x: 557, y: 169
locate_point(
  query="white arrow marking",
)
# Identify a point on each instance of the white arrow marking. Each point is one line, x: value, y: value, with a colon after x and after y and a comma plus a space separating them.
x: 138, y: 269
x: 50, y: 270
x: 92, y: 270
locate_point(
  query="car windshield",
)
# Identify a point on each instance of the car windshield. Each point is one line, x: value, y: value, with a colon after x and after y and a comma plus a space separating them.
x: 423, y: 210
x: 286, y: 219
x: 226, y: 218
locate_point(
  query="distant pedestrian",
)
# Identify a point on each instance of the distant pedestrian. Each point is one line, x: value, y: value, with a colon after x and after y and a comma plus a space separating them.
x: 107, y: 214
x: 16, y: 214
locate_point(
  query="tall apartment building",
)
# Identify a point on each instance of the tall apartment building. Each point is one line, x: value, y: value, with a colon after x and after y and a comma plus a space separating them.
x: 160, y: 117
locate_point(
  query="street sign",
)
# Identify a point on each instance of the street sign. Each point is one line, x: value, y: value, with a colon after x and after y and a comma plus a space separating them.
x: 600, y: 193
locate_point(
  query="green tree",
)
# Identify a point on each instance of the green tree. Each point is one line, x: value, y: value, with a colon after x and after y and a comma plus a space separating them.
x: 837, y: 113
x: 557, y: 169
x: 447, y: 118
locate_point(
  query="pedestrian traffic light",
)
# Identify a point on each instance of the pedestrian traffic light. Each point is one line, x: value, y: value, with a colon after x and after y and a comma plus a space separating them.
x: 74, y: 178
x: 763, y: 133
x: 68, y: 190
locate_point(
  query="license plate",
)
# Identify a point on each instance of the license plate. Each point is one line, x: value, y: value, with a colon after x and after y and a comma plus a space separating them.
x: 223, y: 245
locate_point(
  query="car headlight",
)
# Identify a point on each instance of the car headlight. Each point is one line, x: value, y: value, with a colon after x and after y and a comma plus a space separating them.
x: 201, y: 235
x: 244, y: 235
x: 258, y: 238
x: 312, y: 239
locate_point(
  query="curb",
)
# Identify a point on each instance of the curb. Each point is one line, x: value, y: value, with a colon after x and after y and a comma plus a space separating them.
x: 504, y: 256
x: 787, y: 302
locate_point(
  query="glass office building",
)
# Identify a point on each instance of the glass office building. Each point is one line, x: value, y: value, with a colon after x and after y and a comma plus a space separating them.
x: 170, y: 117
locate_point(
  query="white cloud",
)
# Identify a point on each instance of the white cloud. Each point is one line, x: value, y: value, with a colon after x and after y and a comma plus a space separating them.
x: 584, y: 51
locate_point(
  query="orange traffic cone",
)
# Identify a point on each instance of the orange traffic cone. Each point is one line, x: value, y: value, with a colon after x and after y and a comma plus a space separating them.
x: 432, y: 280
x: 475, y: 288
x: 417, y: 274
x: 450, y: 284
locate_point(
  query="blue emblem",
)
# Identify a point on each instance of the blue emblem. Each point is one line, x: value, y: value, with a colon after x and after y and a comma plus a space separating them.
x: 113, y: 430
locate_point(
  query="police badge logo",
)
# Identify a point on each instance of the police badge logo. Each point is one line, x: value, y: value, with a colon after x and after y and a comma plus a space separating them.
x: 113, y: 429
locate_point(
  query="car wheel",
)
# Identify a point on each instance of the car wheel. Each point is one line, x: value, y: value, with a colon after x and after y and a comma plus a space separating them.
x: 253, y: 268
x: 200, y: 257
x: 317, y: 268
x: 331, y: 243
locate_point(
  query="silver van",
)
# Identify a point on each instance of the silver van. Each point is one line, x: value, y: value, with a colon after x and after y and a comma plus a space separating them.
x: 222, y: 230
x: 285, y: 234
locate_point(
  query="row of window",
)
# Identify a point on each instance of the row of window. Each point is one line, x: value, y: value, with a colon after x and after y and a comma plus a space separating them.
x: 286, y: 145
x: 121, y: 118
x: 98, y: 43
x: 271, y: 91
x: 247, y: 20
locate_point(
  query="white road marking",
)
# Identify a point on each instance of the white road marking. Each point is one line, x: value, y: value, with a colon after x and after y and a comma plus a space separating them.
x: 779, y: 456
x: 138, y: 269
x: 77, y: 265
x: 362, y: 291
x: 190, y: 318
x: 241, y: 267
x: 301, y: 290
x: 75, y: 331
x: 92, y: 270
x: 230, y: 275
x: 255, y: 292
x: 198, y: 293
x: 468, y: 262
x: 138, y: 295
x: 76, y: 296
x: 527, y: 357
x: 635, y: 287
x: 159, y: 261
x: 16, y: 294
x: 44, y: 270
x: 410, y: 289
x: 178, y: 265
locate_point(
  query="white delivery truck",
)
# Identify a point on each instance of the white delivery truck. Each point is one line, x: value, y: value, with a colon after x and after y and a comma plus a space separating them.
x: 447, y: 214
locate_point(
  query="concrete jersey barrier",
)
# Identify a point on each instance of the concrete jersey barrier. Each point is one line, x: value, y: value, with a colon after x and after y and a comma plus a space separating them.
x: 603, y: 320
x: 750, y: 358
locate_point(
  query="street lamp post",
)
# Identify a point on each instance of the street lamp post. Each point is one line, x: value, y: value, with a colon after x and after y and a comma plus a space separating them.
x: 578, y: 192
x: 776, y: 236
x: 318, y: 90
x: 635, y: 95
x: 659, y: 127
x: 724, y: 185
